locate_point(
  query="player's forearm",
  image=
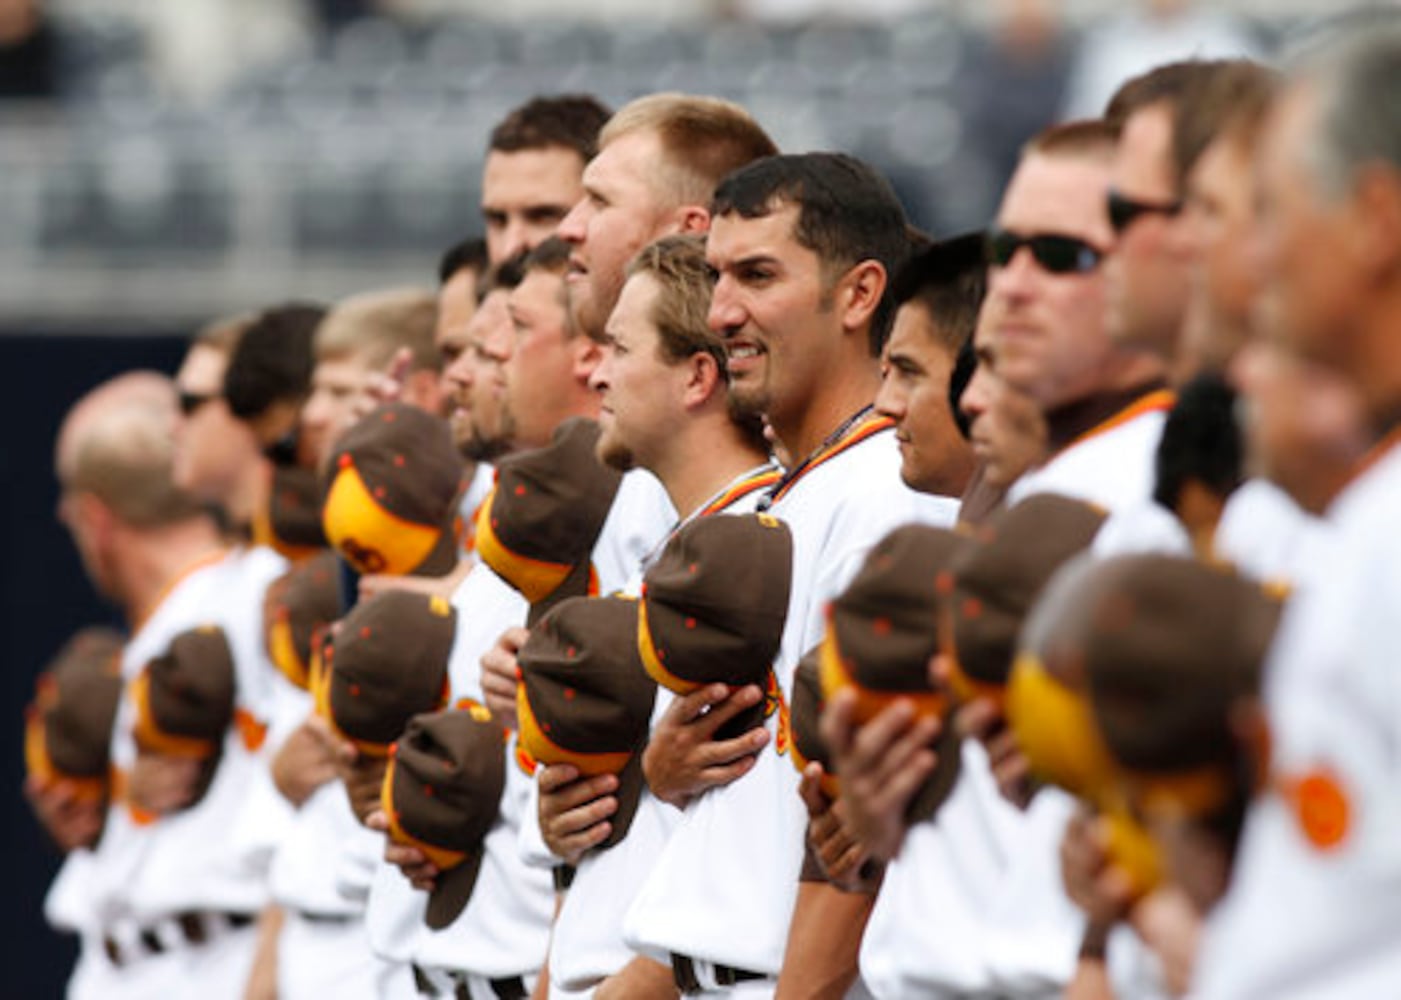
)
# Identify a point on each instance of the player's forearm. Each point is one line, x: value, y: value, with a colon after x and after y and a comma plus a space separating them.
x: 824, y: 943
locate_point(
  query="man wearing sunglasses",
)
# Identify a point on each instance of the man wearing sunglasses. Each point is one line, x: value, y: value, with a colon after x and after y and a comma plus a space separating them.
x: 1101, y: 399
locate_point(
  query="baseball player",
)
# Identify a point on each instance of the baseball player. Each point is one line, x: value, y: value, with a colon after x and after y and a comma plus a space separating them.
x: 165, y: 898
x: 1308, y: 913
x: 711, y: 462
x: 813, y: 372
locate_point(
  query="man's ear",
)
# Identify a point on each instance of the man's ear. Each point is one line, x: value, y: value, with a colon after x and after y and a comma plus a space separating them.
x: 703, y: 379
x: 858, y: 294
x: 1376, y: 210
x: 587, y: 355
x: 692, y: 219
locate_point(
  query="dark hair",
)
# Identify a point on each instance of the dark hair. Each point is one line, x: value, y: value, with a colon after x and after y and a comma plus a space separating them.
x: 505, y: 275
x: 469, y: 255
x: 570, y: 121
x: 948, y: 279
x: 273, y: 359
x: 1201, y: 441
x: 963, y: 368
x: 847, y: 213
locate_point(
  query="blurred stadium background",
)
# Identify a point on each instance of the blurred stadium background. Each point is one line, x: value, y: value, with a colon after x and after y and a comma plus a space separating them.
x: 164, y: 160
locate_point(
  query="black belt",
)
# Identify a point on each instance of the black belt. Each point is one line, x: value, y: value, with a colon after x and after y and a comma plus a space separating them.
x: 194, y: 928
x: 683, y: 971
x: 505, y: 988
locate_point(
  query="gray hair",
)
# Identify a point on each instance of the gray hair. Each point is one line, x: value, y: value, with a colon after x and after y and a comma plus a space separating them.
x: 1356, y: 66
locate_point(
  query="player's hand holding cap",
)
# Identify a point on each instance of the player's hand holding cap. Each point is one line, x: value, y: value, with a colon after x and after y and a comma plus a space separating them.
x: 442, y: 794
x: 882, y: 632
x: 297, y: 605
x: 391, y: 494
x: 714, y: 605
x: 538, y: 526
x: 68, y: 727
x: 992, y: 586
x: 584, y: 697
x: 805, y: 742
x: 385, y: 662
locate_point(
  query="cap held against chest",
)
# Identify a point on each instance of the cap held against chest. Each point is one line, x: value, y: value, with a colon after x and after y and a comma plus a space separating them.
x: 385, y: 663
x: 442, y: 795
x: 392, y: 489
x: 538, y: 526
x: 714, y: 606
x: 882, y: 633
x: 68, y: 726
x: 993, y: 585
x: 302, y: 601
x: 584, y: 697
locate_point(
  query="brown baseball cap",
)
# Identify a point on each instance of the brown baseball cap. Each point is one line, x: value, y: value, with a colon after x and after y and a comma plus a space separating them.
x: 1168, y: 647
x: 298, y: 603
x: 805, y: 742
x: 68, y: 726
x: 387, y: 661
x: 992, y: 585
x: 185, y: 697
x: 883, y: 630
x: 442, y: 795
x: 291, y: 522
x: 584, y: 697
x: 391, y: 494
x: 538, y: 526
x: 714, y: 605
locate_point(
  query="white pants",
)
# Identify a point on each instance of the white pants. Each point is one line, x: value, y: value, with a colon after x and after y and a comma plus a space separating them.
x: 317, y: 959
x: 215, y: 970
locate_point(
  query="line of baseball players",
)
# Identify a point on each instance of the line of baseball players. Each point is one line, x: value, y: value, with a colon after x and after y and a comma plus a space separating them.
x: 719, y: 587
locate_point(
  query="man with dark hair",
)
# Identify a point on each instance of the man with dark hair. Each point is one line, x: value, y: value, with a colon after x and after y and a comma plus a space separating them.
x: 940, y: 291
x: 802, y: 248
x: 269, y: 375
x: 531, y: 177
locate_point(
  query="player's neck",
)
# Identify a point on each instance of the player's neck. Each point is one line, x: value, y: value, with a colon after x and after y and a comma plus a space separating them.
x: 703, y: 462
x: 155, y: 560
x: 835, y: 402
x: 251, y: 493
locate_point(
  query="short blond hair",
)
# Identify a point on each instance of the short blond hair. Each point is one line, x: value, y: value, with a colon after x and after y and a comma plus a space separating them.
x: 702, y: 138
x: 374, y: 326
x: 1086, y: 139
x: 224, y: 333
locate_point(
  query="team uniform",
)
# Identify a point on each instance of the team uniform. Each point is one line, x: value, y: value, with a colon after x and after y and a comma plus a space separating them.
x: 498, y: 943
x: 171, y: 901
x: 1315, y: 901
x: 1265, y: 534
x: 1110, y: 465
x: 587, y: 943
x: 321, y: 879
x: 721, y: 895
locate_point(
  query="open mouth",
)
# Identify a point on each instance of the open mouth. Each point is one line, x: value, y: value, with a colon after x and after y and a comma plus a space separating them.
x: 741, y: 352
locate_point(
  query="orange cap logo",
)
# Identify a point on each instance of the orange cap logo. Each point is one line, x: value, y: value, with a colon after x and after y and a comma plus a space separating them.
x: 1321, y: 807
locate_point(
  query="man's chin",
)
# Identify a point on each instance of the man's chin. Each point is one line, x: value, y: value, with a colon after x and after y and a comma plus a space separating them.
x: 615, y: 454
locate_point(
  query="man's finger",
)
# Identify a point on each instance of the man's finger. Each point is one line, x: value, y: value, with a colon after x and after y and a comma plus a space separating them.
x: 737, y: 701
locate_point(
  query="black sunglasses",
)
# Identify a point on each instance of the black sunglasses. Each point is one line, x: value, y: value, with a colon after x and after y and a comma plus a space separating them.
x: 1123, y: 209
x: 1054, y: 253
x: 192, y: 401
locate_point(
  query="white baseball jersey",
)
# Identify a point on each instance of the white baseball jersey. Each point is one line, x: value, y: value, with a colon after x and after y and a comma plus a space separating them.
x: 587, y: 944
x: 724, y: 888
x: 209, y: 857
x: 1265, y: 534
x: 504, y: 929
x: 1315, y: 902
x: 1144, y: 526
x: 963, y: 910
x: 1111, y: 466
